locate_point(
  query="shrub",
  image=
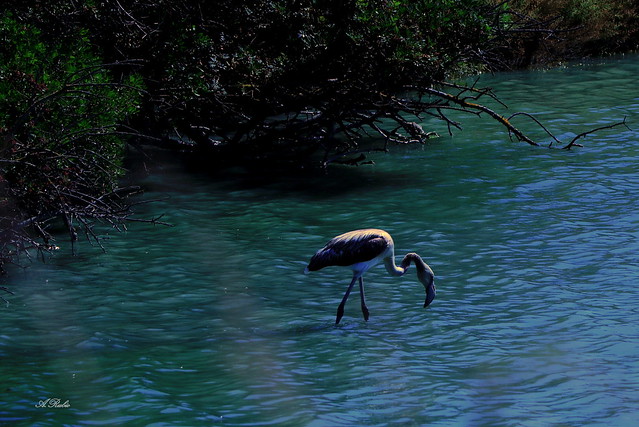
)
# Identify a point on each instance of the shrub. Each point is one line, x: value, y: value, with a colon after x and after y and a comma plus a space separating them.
x: 60, y: 111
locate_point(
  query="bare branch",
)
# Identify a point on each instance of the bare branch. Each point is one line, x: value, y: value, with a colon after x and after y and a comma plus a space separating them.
x: 471, y: 106
x: 530, y: 116
x: 573, y: 142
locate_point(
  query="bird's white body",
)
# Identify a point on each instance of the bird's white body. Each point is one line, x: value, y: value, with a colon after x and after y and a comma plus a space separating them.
x: 364, y: 266
x: 360, y: 250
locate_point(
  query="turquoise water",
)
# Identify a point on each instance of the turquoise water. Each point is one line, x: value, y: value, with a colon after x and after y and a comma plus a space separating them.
x: 211, y: 322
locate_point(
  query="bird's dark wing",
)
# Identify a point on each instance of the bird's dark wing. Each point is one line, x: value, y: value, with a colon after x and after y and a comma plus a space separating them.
x: 349, y: 249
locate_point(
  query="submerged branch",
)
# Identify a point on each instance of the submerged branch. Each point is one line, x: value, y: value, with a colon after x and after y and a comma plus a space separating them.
x: 2, y: 288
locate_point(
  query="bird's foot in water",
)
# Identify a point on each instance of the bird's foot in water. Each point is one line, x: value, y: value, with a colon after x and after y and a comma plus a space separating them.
x: 365, y: 312
x: 340, y: 314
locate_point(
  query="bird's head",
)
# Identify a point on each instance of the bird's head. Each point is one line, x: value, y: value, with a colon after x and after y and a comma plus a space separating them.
x: 424, y: 275
x: 431, y: 291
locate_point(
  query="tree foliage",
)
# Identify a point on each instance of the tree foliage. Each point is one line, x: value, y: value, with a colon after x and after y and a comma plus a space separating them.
x: 61, y: 148
x: 579, y: 28
x: 282, y: 79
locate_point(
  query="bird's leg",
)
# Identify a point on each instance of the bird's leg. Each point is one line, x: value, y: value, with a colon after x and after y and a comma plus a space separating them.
x: 363, y: 298
x: 340, y: 309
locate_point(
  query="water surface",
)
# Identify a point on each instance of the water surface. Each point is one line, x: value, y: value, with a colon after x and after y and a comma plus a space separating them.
x: 211, y: 322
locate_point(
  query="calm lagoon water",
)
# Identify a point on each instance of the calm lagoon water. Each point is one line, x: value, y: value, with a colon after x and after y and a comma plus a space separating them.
x: 211, y: 322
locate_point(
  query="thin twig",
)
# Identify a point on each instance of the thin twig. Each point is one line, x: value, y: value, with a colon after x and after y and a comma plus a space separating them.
x: 584, y: 134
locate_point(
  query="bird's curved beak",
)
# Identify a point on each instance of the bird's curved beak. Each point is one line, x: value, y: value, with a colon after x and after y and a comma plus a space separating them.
x: 430, y: 294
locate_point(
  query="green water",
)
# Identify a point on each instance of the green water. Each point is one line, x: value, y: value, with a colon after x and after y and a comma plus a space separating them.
x: 211, y: 322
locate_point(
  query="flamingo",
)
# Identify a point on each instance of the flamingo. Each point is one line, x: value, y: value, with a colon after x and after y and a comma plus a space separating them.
x: 360, y: 250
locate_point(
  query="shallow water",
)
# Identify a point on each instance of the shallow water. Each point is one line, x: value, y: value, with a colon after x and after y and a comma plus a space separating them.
x: 212, y: 321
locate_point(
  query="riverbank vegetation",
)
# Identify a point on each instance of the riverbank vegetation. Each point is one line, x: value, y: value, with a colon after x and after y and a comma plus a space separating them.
x: 289, y: 84
x: 581, y: 28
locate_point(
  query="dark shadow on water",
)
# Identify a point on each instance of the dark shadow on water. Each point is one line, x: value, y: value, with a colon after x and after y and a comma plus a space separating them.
x: 313, y: 183
x: 295, y: 330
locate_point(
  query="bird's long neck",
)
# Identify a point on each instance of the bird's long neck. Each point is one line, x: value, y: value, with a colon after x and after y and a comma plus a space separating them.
x: 392, y: 268
x: 424, y: 272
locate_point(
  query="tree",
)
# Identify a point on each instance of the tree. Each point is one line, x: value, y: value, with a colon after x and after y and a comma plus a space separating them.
x: 61, y: 148
x: 302, y: 82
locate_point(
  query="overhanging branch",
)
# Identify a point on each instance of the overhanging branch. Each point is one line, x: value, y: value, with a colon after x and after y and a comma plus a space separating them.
x: 475, y: 107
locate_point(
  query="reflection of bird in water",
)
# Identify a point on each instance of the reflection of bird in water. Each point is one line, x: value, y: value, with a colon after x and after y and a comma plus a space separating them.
x: 360, y: 250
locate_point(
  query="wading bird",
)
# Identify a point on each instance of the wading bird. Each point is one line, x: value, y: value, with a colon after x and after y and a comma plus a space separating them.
x: 360, y: 250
